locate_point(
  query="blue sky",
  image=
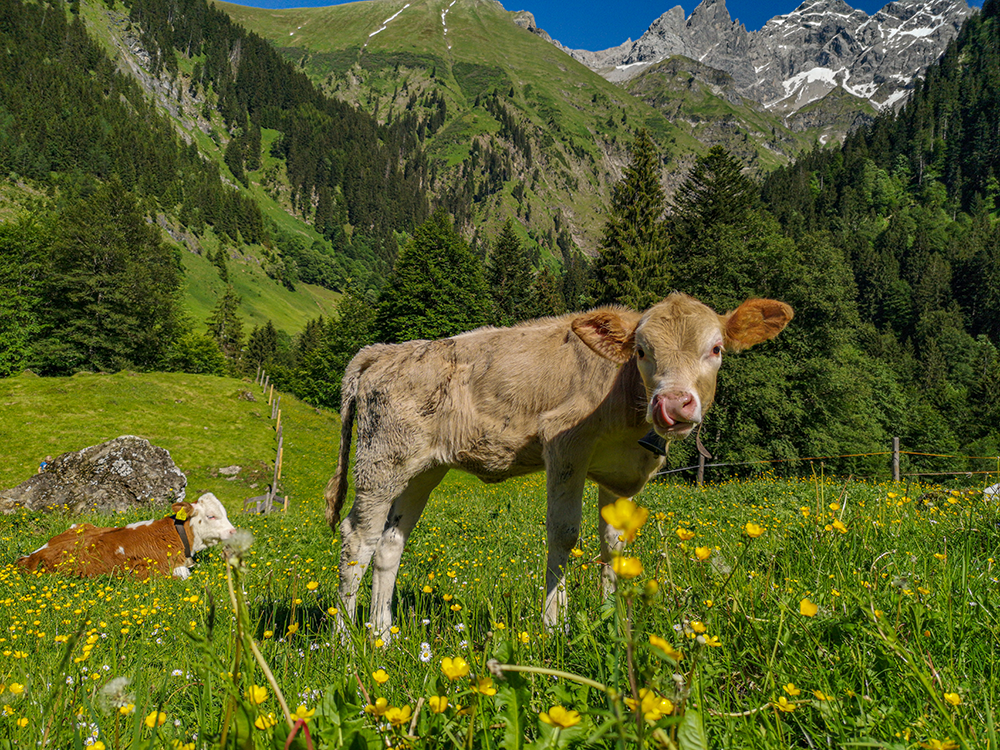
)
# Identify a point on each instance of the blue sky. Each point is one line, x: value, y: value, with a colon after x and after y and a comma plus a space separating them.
x: 599, y: 24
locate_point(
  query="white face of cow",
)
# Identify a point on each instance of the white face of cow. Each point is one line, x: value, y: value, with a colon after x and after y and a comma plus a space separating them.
x: 209, y: 523
x: 678, y: 346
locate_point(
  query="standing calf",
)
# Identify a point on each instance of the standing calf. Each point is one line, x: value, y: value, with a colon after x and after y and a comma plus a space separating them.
x: 162, y: 546
x: 569, y: 395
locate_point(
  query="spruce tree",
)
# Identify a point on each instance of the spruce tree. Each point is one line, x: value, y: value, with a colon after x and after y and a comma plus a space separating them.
x: 226, y: 327
x: 633, y: 262
x: 509, y: 278
x: 716, y: 192
x: 436, y: 289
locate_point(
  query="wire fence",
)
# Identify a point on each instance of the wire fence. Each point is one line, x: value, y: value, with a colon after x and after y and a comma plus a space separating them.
x: 896, y: 453
x: 265, y: 503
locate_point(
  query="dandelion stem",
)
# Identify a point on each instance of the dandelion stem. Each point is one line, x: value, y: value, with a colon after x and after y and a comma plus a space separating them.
x: 556, y: 673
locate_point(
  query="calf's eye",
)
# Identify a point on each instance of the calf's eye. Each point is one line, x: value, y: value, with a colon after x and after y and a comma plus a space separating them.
x: 717, y: 350
x: 640, y: 352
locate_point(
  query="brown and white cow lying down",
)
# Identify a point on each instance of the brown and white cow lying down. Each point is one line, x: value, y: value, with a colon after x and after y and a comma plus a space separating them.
x: 570, y: 395
x: 163, y: 546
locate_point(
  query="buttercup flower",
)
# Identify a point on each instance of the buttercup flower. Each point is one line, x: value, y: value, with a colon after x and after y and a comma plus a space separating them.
x: 625, y: 516
x: 791, y: 689
x: 665, y: 647
x: 807, y: 608
x: 256, y: 694
x: 379, y: 707
x: 557, y: 716
x: 753, y: 530
x: 684, y: 534
x: 703, y: 553
x: 155, y: 719
x: 380, y: 676
x: 438, y: 703
x: 265, y: 721
x: 626, y: 567
x: 484, y: 685
x: 653, y: 706
x: 783, y: 704
x: 398, y: 716
x: 953, y: 698
x: 303, y: 714
x: 454, y: 669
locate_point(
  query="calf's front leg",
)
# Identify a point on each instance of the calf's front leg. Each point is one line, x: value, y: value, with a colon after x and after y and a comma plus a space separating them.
x: 564, y: 481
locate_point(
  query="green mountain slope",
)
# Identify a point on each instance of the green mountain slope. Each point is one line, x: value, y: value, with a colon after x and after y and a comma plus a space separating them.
x: 527, y: 130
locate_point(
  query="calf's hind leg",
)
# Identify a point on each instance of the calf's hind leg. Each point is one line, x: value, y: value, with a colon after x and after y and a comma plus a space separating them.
x: 402, y: 517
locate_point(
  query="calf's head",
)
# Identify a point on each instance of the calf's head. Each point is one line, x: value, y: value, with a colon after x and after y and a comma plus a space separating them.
x: 206, y: 521
x: 678, y: 346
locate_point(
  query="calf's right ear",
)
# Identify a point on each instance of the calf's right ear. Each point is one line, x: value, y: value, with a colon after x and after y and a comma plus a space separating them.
x: 754, y: 321
x: 609, y: 331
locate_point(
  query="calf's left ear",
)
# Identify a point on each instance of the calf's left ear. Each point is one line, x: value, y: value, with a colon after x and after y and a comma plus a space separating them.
x: 754, y: 321
x: 609, y: 331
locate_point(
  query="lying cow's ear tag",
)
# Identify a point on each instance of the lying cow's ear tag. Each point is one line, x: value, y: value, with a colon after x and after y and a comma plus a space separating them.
x: 181, y: 515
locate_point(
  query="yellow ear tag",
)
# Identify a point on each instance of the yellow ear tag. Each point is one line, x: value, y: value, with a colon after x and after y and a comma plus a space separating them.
x: 181, y: 515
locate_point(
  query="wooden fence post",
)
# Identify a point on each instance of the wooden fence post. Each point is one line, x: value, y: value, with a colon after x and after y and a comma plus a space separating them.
x: 895, y: 459
x: 256, y: 377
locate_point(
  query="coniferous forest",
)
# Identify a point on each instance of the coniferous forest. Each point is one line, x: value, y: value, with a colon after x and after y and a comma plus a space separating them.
x: 888, y: 247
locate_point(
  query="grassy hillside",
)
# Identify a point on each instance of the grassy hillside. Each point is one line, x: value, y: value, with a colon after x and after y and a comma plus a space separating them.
x: 200, y: 419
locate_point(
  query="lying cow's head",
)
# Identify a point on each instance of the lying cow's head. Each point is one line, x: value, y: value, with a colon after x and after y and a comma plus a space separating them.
x: 206, y: 521
x: 678, y: 346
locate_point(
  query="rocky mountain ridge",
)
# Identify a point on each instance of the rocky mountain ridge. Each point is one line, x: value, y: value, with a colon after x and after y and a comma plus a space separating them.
x: 800, y: 57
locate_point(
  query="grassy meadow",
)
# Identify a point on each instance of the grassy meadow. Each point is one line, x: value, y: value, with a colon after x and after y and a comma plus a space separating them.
x: 772, y: 613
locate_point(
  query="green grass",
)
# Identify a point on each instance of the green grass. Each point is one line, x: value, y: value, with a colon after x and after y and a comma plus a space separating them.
x: 900, y: 653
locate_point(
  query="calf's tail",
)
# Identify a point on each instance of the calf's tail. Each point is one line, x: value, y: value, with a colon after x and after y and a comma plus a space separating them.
x: 336, y: 489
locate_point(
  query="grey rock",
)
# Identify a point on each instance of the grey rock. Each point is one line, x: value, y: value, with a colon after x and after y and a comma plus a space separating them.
x: 121, y: 474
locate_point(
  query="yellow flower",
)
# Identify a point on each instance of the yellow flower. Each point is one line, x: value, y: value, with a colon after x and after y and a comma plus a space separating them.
x: 332, y: 611
x: 839, y: 526
x: 256, y: 694
x: 155, y: 719
x: 791, y: 689
x: 438, y: 703
x: 953, y: 698
x: 576, y: 552
x: 398, y: 716
x: 293, y: 628
x: 684, y: 534
x: 379, y: 707
x: 783, y: 704
x: 265, y: 721
x: 16, y: 688
x: 268, y: 633
x: 98, y: 745
x: 665, y: 647
x: 834, y: 506
x: 380, y: 676
x: 484, y: 686
x: 303, y: 714
x: 713, y: 641
x: 807, y: 608
x: 557, y: 716
x: 653, y: 707
x: 625, y: 516
x: 940, y: 556
x: 947, y: 744
x: 626, y: 567
x: 456, y: 607
x: 702, y: 553
x: 22, y: 722
x: 127, y: 710
x: 753, y: 530
x: 427, y: 589
x: 821, y: 696
x: 523, y: 637
x: 312, y: 585
x: 454, y: 669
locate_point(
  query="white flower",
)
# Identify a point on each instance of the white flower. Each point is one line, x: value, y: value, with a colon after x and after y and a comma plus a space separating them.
x: 425, y: 652
x: 177, y: 673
